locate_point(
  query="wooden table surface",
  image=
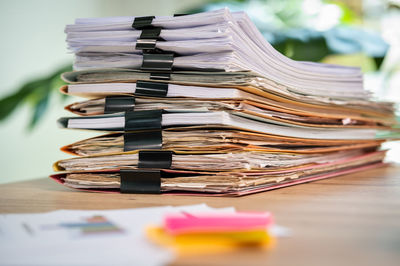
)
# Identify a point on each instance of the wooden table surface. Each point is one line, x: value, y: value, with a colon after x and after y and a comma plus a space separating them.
x: 347, y: 220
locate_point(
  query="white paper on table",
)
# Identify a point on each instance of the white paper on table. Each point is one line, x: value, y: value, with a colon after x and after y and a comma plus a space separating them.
x: 38, y: 239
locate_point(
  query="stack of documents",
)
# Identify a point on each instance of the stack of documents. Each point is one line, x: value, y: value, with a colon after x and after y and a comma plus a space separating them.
x: 203, y: 104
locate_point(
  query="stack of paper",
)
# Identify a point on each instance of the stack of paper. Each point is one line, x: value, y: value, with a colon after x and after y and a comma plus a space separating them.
x: 203, y: 104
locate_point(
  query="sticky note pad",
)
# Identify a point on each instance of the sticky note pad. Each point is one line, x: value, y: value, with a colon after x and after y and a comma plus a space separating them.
x: 211, y: 242
x: 179, y: 223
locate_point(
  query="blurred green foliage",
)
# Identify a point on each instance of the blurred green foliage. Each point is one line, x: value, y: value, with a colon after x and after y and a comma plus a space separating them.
x: 308, y: 30
x: 35, y: 93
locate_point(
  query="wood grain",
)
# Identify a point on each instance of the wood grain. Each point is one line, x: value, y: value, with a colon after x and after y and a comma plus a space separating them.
x: 347, y: 220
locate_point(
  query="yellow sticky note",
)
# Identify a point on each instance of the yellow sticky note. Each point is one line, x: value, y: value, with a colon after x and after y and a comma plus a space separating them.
x: 212, y: 242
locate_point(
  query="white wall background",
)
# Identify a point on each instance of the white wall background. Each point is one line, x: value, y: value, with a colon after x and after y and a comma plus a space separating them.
x: 33, y: 45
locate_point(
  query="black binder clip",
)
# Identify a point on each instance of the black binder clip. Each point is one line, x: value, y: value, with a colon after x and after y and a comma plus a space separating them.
x: 155, y: 159
x: 151, y: 88
x: 160, y: 76
x: 151, y: 33
x: 148, y: 39
x: 146, y: 45
x: 114, y: 104
x: 142, y: 22
x: 157, y: 62
x: 140, y: 181
x: 143, y: 120
x: 146, y: 140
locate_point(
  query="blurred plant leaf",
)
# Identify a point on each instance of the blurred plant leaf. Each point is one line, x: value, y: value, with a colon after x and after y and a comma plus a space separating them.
x: 284, y: 25
x: 348, y: 15
x: 39, y: 109
x: 36, y: 93
x: 366, y: 63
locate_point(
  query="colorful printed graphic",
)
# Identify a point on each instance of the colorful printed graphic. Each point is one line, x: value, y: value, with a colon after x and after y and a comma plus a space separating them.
x: 91, y: 226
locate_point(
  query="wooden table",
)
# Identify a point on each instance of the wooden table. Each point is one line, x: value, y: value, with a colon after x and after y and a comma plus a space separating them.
x: 347, y: 220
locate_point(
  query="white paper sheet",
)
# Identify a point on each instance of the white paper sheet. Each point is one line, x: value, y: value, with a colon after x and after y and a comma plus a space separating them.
x: 59, y: 238
x: 116, y: 122
x: 223, y: 40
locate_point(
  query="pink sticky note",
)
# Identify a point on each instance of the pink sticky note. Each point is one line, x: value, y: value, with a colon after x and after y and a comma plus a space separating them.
x: 178, y: 223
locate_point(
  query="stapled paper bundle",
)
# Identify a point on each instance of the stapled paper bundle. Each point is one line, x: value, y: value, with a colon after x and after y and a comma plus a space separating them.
x: 203, y: 104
